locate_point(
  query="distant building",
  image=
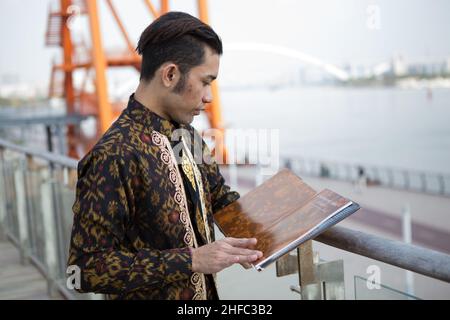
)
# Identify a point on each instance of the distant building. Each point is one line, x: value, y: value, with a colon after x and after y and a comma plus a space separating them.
x: 399, y: 67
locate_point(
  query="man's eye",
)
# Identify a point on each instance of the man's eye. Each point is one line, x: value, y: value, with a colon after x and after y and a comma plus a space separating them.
x: 206, y: 83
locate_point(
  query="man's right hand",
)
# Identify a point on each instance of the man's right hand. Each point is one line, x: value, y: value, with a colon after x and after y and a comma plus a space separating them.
x: 218, y: 255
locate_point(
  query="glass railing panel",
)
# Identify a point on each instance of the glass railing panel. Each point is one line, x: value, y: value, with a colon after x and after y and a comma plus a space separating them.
x: 34, y: 183
x: 366, y: 289
x: 64, y: 199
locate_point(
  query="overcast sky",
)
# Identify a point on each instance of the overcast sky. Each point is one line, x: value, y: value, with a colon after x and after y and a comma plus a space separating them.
x: 335, y: 31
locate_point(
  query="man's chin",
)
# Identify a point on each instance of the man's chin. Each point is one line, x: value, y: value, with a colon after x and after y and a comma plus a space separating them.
x: 190, y: 120
x: 186, y: 120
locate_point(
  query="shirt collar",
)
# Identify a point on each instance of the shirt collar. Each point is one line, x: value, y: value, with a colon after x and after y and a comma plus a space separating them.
x: 143, y: 115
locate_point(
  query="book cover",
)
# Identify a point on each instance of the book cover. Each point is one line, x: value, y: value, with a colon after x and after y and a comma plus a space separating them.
x: 282, y: 213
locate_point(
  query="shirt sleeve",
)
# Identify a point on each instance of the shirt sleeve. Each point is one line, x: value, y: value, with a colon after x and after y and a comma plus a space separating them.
x: 103, y: 206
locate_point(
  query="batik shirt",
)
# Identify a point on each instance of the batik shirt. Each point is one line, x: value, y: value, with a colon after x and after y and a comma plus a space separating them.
x: 138, y: 210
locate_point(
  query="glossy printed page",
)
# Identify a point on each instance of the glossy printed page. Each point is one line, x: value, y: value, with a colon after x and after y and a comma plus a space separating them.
x: 264, y: 206
x: 296, y: 225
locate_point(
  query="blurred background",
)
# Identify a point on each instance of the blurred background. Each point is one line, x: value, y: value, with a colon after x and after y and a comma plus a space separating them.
x: 358, y: 92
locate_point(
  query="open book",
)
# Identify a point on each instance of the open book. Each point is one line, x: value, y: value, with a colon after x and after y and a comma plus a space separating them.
x: 282, y: 213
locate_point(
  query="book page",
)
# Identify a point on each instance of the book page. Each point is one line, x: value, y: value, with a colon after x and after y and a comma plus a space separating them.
x: 300, y: 222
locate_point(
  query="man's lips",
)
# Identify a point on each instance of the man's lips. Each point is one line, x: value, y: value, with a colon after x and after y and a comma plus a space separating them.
x: 197, y: 111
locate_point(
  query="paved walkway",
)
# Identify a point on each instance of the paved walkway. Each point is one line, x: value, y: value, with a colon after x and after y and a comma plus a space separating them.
x: 17, y: 281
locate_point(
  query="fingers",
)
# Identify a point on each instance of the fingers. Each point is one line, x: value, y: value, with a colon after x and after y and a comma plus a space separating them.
x: 223, y: 253
x: 216, y: 256
x: 241, y: 242
x: 243, y: 259
x: 238, y: 249
x: 244, y: 252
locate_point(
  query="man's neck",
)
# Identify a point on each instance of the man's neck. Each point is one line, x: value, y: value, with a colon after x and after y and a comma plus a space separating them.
x: 146, y: 95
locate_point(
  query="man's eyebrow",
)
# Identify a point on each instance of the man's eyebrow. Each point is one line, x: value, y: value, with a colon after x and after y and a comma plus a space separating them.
x: 211, y: 77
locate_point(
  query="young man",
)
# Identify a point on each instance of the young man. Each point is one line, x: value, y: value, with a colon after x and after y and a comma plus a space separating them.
x: 143, y: 214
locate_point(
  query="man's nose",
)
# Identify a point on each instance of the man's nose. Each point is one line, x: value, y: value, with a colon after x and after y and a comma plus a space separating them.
x: 207, y: 97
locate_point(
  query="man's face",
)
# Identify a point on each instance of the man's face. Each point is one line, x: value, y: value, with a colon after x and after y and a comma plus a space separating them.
x: 183, y: 106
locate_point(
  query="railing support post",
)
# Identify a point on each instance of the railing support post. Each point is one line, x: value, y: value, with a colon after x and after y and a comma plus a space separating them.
x: 441, y: 184
x: 2, y: 199
x: 423, y: 178
x: 317, y: 280
x: 22, y: 221
x: 51, y: 258
x: 310, y: 288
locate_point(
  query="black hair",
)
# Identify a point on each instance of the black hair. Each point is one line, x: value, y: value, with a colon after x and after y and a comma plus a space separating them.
x: 177, y: 37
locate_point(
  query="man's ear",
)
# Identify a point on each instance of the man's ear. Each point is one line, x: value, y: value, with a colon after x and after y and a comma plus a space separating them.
x: 170, y: 74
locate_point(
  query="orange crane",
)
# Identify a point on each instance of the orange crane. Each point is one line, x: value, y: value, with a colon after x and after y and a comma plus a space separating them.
x: 95, y: 61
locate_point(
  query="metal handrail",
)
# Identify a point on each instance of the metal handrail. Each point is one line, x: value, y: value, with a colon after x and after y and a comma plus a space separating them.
x: 427, y: 262
x: 410, y: 257
x: 45, y: 155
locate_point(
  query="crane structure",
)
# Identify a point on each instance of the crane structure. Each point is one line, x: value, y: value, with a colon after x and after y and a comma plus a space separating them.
x: 94, y: 61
